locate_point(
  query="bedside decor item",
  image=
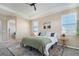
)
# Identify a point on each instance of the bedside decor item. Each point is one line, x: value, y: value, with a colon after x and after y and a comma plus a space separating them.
x: 63, y: 40
x: 35, y: 33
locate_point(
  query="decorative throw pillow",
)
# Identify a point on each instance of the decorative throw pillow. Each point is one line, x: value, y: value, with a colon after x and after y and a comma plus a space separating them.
x: 48, y: 34
x: 52, y: 34
x: 42, y: 34
x: 39, y: 34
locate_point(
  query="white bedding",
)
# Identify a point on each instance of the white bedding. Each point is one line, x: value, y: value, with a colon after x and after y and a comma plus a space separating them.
x: 53, y: 39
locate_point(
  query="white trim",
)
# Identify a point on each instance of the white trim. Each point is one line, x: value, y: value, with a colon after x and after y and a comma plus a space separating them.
x: 73, y: 47
x: 13, y: 11
x: 4, y: 41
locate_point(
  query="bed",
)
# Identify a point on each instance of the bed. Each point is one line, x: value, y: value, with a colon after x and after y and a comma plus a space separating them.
x: 42, y: 43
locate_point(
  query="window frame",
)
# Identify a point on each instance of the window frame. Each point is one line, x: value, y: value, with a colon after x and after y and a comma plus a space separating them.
x: 33, y: 26
x: 75, y: 15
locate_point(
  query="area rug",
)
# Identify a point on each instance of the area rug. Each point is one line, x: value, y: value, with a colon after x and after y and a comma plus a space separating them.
x: 57, y: 50
x: 5, y: 52
x: 20, y: 51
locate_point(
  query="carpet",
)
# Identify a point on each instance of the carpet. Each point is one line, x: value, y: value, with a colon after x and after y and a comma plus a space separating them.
x: 5, y: 52
x: 20, y: 51
x: 16, y: 50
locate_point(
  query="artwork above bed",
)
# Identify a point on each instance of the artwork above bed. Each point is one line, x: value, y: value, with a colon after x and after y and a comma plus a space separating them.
x: 47, y: 25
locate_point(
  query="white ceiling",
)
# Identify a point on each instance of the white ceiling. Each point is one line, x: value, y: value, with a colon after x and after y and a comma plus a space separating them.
x: 28, y: 12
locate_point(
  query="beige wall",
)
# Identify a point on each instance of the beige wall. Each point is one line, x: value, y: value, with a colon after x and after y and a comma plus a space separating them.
x: 3, y: 29
x: 23, y: 28
x: 55, y: 20
x: 4, y: 36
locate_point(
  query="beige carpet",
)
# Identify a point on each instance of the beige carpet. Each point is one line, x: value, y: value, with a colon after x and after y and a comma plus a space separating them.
x: 56, y: 51
x: 5, y: 52
x: 15, y: 49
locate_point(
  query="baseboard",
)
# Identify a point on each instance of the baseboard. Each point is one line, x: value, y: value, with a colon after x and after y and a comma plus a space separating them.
x: 3, y: 41
x: 73, y: 47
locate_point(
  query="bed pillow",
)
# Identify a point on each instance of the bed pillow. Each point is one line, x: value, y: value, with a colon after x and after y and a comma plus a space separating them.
x: 48, y: 34
x: 43, y: 34
x: 52, y: 34
x: 39, y: 34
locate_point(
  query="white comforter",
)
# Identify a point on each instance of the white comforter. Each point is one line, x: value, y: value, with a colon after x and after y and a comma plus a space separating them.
x: 53, y: 39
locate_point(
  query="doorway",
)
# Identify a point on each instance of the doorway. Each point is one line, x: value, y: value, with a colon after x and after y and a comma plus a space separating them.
x: 11, y: 27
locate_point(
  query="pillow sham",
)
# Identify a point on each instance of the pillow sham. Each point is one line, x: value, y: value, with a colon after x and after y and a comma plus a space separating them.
x: 41, y: 34
x: 52, y: 34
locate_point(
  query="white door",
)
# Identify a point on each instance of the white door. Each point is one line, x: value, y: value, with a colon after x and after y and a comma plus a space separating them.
x: 11, y: 27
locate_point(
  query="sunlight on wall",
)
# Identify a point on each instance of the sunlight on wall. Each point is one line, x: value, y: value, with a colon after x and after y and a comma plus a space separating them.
x: 23, y: 28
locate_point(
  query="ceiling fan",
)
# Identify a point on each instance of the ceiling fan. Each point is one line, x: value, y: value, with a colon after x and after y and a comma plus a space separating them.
x: 32, y: 4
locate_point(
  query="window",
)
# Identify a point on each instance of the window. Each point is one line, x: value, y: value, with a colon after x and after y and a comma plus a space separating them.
x: 35, y: 26
x: 69, y: 24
